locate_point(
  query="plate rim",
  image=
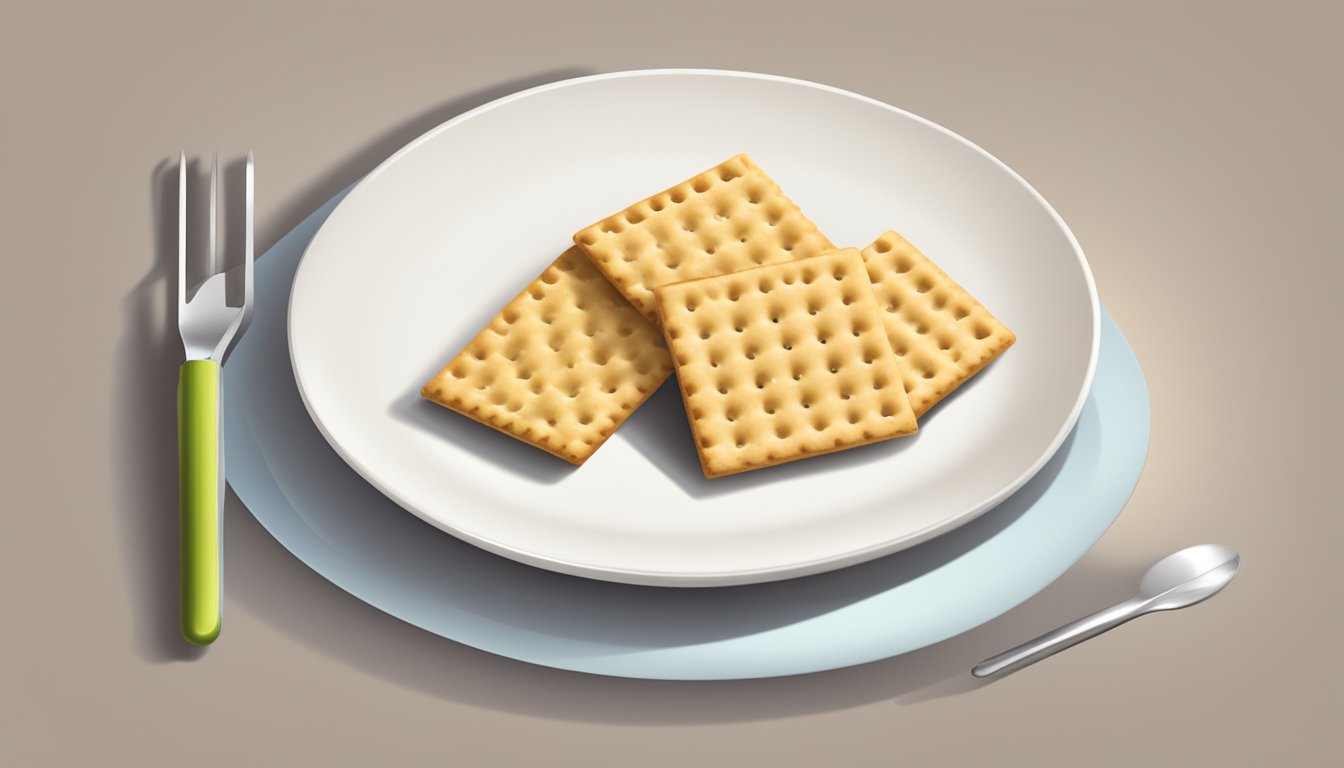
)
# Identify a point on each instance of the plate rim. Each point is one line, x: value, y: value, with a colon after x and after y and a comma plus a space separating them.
x: 707, y: 578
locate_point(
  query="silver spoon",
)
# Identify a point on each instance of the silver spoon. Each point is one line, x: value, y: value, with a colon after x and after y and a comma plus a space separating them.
x: 1177, y: 580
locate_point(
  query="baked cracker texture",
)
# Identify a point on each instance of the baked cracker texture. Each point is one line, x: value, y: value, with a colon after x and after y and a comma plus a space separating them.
x: 729, y: 218
x: 561, y: 367
x: 783, y: 361
x: 940, y: 333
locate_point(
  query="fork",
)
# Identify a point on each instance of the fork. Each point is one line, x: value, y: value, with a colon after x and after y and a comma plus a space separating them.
x: 209, y: 328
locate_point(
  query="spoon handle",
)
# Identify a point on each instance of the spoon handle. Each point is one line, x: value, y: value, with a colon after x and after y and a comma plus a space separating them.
x: 1066, y: 636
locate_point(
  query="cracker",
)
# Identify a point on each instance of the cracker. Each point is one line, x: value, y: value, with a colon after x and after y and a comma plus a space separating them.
x: 561, y: 367
x: 783, y: 361
x: 941, y: 334
x: 729, y: 218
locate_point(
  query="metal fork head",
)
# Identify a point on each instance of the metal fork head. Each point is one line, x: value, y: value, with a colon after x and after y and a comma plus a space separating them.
x: 210, y: 327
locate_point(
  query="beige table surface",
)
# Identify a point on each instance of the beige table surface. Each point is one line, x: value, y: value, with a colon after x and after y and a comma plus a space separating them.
x: 1194, y: 148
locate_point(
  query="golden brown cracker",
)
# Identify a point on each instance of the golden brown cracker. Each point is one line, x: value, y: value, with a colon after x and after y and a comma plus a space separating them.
x: 561, y: 367
x: 783, y: 361
x: 941, y: 334
x: 727, y: 219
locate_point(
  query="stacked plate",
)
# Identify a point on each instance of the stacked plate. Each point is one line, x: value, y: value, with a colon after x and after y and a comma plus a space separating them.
x: 423, y: 251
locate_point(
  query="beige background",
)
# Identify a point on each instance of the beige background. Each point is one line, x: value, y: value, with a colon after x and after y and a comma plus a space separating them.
x: 1193, y: 147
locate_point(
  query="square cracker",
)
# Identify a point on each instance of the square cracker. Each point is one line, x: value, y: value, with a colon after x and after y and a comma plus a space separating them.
x: 783, y: 361
x: 729, y: 218
x: 941, y: 334
x: 561, y: 367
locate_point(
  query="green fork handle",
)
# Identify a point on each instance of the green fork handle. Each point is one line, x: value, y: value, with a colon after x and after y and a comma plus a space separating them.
x: 202, y: 487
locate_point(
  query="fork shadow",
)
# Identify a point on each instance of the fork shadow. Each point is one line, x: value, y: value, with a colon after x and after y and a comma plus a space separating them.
x: 144, y: 449
x: 145, y: 452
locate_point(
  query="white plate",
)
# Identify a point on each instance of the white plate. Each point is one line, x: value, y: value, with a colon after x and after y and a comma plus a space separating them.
x: 431, y: 244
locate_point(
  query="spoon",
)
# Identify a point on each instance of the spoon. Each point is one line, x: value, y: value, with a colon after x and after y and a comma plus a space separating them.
x: 1177, y: 580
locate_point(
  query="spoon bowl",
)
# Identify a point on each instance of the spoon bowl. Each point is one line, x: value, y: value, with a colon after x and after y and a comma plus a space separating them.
x: 1189, y: 576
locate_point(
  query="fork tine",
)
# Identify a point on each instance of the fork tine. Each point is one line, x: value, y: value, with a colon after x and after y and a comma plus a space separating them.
x: 214, y: 193
x: 181, y: 231
x: 247, y: 234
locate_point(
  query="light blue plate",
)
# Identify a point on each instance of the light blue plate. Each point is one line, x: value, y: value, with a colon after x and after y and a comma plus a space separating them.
x: 318, y: 508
